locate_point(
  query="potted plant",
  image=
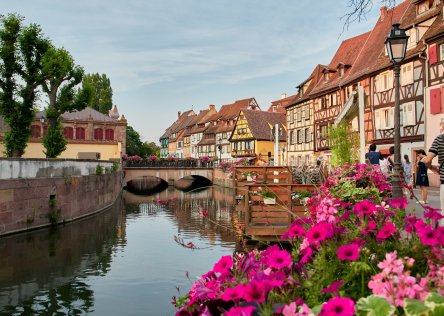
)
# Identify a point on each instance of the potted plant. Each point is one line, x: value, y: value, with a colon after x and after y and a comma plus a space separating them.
x: 269, y: 196
x: 301, y: 197
x: 250, y: 175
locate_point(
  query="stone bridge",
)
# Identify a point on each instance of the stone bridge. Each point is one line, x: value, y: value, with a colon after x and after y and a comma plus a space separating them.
x: 167, y: 174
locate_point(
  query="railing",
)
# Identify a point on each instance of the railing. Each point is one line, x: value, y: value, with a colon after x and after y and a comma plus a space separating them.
x: 169, y: 163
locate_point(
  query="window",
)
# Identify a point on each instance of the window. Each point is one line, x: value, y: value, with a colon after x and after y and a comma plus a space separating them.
x: 323, y: 131
x: 291, y: 137
x: 423, y: 6
x: 109, y: 134
x: 341, y: 71
x: 307, y: 135
x: 408, y: 114
x: 412, y: 34
x: 307, y: 160
x: 35, y: 131
x: 299, y: 114
x: 384, y: 81
x: 300, y: 135
x: 326, y: 76
x: 441, y: 52
x: 98, y: 134
x: 384, y: 119
x: 307, y: 112
x: 407, y: 74
x: 68, y: 132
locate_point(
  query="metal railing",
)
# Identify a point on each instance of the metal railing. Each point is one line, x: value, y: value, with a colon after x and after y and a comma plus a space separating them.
x: 169, y: 163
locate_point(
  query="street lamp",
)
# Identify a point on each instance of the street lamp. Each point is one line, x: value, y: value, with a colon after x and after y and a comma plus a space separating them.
x: 219, y: 146
x: 396, y: 45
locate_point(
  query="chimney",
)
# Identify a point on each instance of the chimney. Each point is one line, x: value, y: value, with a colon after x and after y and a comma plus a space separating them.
x: 283, y: 96
x: 211, y: 107
x: 178, y: 114
x: 383, y: 11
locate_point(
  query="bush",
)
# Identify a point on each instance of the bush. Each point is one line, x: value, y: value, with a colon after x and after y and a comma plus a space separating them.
x: 99, y: 169
x: 356, y: 252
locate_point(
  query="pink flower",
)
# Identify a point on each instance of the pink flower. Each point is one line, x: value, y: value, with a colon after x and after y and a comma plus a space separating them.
x: 348, y: 252
x: 319, y: 232
x: 371, y: 227
x: 279, y: 259
x: 240, y: 311
x: 342, y: 306
x: 234, y: 293
x: 365, y: 208
x: 432, y: 213
x: 386, y: 231
x: 333, y: 288
x: 399, y: 203
x: 306, y: 254
x: 254, y: 292
x: 295, y: 231
x: 224, y: 264
x: 429, y: 236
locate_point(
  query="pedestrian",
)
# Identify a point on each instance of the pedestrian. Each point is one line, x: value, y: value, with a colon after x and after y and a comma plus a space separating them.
x: 391, y: 159
x: 372, y: 156
x: 437, y: 150
x: 422, y: 179
x: 407, y: 167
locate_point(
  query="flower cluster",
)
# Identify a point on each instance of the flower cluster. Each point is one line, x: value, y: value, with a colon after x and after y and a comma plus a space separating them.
x: 135, y: 157
x: 356, y: 243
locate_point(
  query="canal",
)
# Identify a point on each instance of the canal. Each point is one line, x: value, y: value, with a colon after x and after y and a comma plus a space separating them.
x: 128, y: 260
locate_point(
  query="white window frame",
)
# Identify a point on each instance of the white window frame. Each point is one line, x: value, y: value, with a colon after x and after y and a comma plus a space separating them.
x: 412, y: 34
x: 407, y: 74
x: 384, y: 81
x: 441, y: 52
x: 384, y: 119
x: 408, y: 114
x: 307, y: 135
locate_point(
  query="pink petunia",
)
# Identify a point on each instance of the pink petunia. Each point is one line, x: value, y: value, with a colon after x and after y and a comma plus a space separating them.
x: 429, y: 236
x: 320, y: 231
x: 279, y: 259
x: 348, y: 252
x: 296, y: 230
x: 365, y: 207
x: 241, y: 311
x: 306, y: 255
x: 255, y: 292
x: 386, y: 231
x: 234, y: 293
x: 224, y: 264
x: 371, y: 227
x: 342, y: 306
x: 333, y: 288
x: 399, y: 203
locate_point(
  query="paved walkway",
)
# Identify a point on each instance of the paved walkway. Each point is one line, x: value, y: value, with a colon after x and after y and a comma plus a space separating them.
x: 433, y: 201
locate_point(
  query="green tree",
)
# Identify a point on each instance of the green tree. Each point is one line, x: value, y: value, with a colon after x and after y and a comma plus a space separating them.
x: 61, y: 78
x: 102, y: 93
x: 21, y: 52
x: 343, y: 144
x: 133, y: 143
x: 150, y: 149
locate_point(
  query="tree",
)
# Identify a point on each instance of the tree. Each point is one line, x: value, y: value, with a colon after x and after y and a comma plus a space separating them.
x: 133, y: 142
x: 343, y: 144
x: 102, y: 94
x: 21, y: 51
x: 61, y: 78
x: 360, y: 8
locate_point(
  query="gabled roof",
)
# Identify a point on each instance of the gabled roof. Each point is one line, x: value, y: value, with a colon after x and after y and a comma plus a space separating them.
x: 259, y: 123
x: 231, y: 111
x: 83, y: 115
x: 183, y: 120
x: 202, y: 118
x: 280, y: 104
x: 347, y: 55
x: 315, y: 76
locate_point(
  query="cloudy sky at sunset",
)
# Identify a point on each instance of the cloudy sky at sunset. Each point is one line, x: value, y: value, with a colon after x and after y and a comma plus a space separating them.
x: 165, y: 56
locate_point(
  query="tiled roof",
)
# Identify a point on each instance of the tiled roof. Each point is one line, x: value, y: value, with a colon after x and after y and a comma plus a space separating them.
x: 346, y: 55
x: 259, y: 123
x: 437, y: 28
x: 202, y: 118
x: 231, y: 111
x: 315, y: 76
x: 83, y: 115
x: 183, y: 120
x: 280, y: 104
x: 207, y: 141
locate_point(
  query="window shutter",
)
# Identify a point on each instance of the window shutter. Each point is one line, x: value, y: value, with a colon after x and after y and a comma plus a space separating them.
x: 302, y: 136
x: 435, y: 101
x: 391, y: 122
x: 377, y: 83
x: 378, y: 120
x: 433, y: 56
x: 390, y: 80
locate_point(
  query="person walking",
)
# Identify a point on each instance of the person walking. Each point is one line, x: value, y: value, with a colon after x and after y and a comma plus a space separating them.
x: 437, y: 150
x: 422, y: 179
x: 407, y: 167
x: 372, y: 156
x: 391, y: 159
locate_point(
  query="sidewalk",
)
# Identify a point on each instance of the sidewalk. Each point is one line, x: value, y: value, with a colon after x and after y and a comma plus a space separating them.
x: 430, y: 191
x: 433, y: 201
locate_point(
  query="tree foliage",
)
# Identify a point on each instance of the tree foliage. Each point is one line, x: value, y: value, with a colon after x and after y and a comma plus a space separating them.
x: 343, y: 144
x: 21, y: 51
x: 102, y: 93
x: 61, y: 79
x: 54, y: 142
x: 135, y: 146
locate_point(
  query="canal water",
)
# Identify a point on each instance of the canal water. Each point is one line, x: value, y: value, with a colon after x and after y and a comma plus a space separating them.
x: 128, y: 260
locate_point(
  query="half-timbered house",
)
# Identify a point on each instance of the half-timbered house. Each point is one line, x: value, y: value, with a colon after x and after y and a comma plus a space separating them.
x: 299, y: 117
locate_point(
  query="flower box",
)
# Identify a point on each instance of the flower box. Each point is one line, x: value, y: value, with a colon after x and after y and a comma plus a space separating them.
x: 250, y: 178
x: 269, y: 200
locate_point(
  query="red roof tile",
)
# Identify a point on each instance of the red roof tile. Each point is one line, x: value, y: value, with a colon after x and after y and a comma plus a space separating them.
x: 259, y: 123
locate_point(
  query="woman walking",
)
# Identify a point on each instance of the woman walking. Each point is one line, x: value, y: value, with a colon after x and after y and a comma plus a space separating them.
x: 407, y: 170
x: 422, y: 179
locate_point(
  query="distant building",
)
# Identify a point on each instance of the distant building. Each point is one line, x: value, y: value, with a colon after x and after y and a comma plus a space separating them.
x: 89, y: 133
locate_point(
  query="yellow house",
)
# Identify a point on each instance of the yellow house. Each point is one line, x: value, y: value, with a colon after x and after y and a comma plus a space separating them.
x: 253, y: 134
x: 89, y: 133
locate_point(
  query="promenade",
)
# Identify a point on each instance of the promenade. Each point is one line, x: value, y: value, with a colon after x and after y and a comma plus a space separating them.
x: 433, y: 201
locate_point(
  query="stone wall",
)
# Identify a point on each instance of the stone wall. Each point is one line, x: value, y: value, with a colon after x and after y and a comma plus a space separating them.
x: 222, y: 178
x: 31, y: 203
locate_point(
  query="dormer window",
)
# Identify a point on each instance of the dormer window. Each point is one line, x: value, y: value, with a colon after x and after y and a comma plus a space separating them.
x: 423, y: 6
x: 341, y: 71
x: 326, y: 76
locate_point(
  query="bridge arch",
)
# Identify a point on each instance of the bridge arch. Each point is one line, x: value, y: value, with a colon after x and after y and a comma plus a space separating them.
x: 146, y: 185
x: 170, y: 175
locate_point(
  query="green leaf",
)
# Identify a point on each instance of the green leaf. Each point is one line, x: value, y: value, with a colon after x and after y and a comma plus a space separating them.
x: 437, y: 311
x: 414, y: 307
x: 434, y: 299
x: 374, y: 306
x: 317, y: 309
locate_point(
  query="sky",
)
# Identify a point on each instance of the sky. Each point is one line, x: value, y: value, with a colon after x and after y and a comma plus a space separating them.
x: 166, y: 56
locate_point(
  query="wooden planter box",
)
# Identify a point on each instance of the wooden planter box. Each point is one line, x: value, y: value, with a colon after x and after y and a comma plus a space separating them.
x: 269, y: 201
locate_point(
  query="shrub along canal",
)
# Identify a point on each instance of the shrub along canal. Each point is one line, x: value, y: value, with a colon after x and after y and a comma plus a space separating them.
x: 127, y: 260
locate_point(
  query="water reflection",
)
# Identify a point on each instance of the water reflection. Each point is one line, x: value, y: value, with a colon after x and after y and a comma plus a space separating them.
x: 122, y: 261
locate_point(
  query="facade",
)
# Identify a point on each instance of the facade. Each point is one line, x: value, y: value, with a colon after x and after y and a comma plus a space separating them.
x: 194, y: 131
x: 176, y: 132
x: 89, y: 133
x: 253, y: 134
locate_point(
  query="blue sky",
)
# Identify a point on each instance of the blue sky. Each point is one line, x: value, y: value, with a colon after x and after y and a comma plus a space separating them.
x: 165, y: 56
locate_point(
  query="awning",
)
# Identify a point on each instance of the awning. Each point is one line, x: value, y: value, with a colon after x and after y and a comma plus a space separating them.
x: 350, y: 109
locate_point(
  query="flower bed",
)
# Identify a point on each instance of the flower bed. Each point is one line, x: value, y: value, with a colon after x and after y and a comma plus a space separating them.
x: 357, y: 253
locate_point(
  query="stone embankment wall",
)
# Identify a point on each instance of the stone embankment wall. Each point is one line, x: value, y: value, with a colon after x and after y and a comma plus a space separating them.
x: 39, y: 193
x: 222, y: 178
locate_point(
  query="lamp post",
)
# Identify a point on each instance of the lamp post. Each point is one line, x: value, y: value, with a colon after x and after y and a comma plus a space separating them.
x: 283, y: 156
x: 396, y: 45
x: 219, y: 146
